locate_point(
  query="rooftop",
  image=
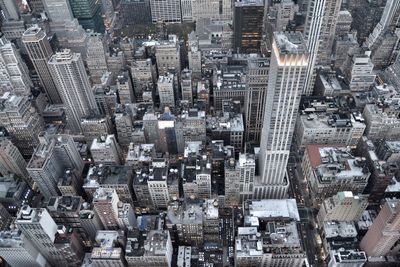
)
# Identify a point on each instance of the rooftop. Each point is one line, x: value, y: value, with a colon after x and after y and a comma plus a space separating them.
x: 290, y: 42
x: 185, y: 213
x: 340, y: 229
x: 272, y: 209
x: 105, y: 174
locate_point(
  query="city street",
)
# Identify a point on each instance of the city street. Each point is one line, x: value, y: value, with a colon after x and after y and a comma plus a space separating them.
x: 299, y: 190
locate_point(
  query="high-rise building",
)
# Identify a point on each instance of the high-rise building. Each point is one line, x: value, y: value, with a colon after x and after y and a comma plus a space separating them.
x: 105, y: 204
x: 17, y: 250
x: 72, y: 83
x: 10, y: 9
x: 88, y: 13
x: 95, y: 57
x: 109, y: 251
x: 21, y: 121
x: 125, y: 88
x: 205, y: 9
x: 312, y: 36
x: 344, y: 206
x: 384, y: 231
x: 5, y: 218
x: 134, y: 12
x: 286, y: 79
x: 187, y: 86
x: 166, y: 91
x: 11, y: 161
x: 51, y: 158
x: 168, y: 11
x: 105, y: 150
x: 247, y: 169
x: 58, y: 11
x: 362, y: 75
x: 39, y: 228
x: 39, y: 50
x: 257, y: 84
x: 247, y: 26
x: 327, y: 34
x: 14, y: 73
x: 168, y: 56
x: 158, y: 183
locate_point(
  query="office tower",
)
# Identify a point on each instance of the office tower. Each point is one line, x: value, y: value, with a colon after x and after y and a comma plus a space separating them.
x: 14, y: 73
x: 39, y: 50
x: 158, y: 183
x: 168, y: 11
x: 125, y: 88
x: 247, y: 25
x: 187, y: 86
x: 205, y: 9
x: 105, y: 150
x: 232, y: 183
x: 327, y: 34
x: 133, y: 12
x: 51, y: 158
x: 362, y: 75
x: 157, y: 248
x: 247, y: 169
x: 257, y: 84
x: 288, y: 67
x: 39, y: 228
x: 384, y: 231
x: 10, y: 9
x: 93, y: 127
x: 21, y: 122
x: 36, y: 6
x: 343, y: 25
x: 387, y: 20
x: 166, y: 91
x: 332, y: 169
x: 72, y: 83
x: 105, y: 204
x: 143, y: 76
x: 90, y: 221
x: 381, y: 123
x: 5, y: 218
x: 95, y: 57
x: 312, y: 36
x: 58, y: 11
x: 347, y: 257
x: 109, y: 251
x: 344, y: 206
x: 69, y: 245
x: 194, y: 54
x: 168, y: 56
x: 187, y: 10
x: 17, y: 250
x: 88, y: 13
x: 328, y: 128
x: 11, y: 161
x: 280, y: 13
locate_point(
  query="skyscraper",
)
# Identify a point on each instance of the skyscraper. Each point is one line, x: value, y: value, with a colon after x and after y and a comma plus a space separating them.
x: 11, y: 160
x: 21, y: 121
x: 384, y: 231
x: 95, y: 57
x: 165, y: 11
x: 39, y: 50
x: 39, y: 228
x: 72, y: 82
x: 289, y: 62
x: 14, y: 74
x: 58, y: 11
x: 328, y: 29
x: 247, y: 25
x: 312, y: 35
x: 88, y: 13
x: 10, y: 9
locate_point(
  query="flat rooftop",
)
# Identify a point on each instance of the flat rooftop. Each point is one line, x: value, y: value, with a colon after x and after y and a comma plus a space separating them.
x: 272, y: 208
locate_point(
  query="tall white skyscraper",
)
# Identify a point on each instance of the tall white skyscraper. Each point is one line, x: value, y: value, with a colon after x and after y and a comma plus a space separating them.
x: 166, y: 10
x: 72, y: 83
x: 312, y: 34
x: 14, y: 74
x: 39, y: 50
x: 11, y: 161
x: 96, y: 57
x: 288, y: 68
